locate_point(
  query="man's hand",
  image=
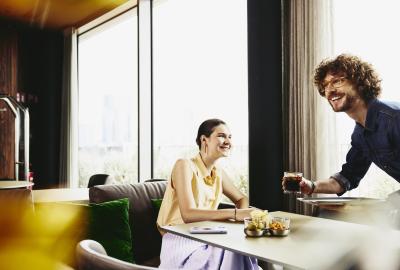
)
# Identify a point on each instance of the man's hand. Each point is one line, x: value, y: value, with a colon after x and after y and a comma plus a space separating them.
x: 307, y: 186
x: 329, y: 186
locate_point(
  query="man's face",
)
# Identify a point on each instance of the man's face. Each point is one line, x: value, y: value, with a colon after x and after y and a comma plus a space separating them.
x: 340, y: 93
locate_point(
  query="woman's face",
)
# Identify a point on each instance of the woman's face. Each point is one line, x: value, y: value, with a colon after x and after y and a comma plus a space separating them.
x: 219, y: 143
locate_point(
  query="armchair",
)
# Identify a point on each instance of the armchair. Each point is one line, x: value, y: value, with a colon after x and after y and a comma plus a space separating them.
x: 91, y: 255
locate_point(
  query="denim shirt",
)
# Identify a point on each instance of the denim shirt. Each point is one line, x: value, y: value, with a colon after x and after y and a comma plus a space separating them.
x: 378, y: 142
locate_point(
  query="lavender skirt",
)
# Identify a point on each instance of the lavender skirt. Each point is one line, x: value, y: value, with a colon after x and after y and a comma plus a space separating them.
x: 181, y: 253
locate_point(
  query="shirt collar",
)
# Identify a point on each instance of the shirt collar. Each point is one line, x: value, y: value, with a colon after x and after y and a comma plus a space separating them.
x: 370, y: 121
x: 200, y: 164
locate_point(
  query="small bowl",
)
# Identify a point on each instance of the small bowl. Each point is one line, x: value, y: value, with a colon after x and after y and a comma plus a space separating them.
x: 254, y: 233
x: 279, y: 232
x: 279, y: 223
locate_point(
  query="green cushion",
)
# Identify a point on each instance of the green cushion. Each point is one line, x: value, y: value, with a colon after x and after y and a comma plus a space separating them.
x: 156, y: 203
x: 109, y: 225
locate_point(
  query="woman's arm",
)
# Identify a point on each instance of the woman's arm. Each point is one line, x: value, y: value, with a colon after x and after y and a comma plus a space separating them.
x: 181, y: 180
x: 233, y: 193
x: 240, y: 200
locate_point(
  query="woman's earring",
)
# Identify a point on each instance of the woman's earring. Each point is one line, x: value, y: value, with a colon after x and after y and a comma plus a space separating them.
x: 205, y: 148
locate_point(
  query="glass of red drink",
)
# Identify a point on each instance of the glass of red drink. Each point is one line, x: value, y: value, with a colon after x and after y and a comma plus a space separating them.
x: 292, y: 181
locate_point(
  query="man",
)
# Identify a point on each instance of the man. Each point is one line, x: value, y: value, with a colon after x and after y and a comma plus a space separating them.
x: 352, y: 86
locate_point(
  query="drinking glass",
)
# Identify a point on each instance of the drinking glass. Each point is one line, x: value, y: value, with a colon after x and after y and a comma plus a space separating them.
x: 292, y: 182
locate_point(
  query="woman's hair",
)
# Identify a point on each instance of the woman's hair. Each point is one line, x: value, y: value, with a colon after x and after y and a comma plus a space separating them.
x: 206, y: 128
x: 361, y: 75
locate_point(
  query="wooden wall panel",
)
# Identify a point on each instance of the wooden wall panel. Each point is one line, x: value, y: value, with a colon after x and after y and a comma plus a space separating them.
x: 8, y: 60
x: 7, y: 143
x: 8, y: 85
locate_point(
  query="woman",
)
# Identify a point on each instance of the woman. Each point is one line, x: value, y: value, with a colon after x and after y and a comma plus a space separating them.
x: 193, y: 194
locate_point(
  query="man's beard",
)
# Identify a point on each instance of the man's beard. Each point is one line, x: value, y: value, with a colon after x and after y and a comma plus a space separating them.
x: 348, y: 103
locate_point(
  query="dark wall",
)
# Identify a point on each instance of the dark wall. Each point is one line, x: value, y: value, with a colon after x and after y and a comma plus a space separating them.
x: 265, y: 103
x: 39, y: 72
x: 41, y: 56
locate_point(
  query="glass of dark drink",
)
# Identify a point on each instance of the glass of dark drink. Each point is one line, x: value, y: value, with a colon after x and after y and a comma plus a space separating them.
x: 292, y: 181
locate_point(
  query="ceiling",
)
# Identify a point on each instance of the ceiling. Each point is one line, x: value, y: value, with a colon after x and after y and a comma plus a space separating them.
x: 56, y: 14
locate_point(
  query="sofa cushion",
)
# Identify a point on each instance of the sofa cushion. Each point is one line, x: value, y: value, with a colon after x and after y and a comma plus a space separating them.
x: 109, y: 225
x: 146, y: 239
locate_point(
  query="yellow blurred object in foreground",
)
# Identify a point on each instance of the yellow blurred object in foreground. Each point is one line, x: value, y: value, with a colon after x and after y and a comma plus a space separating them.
x: 40, y: 238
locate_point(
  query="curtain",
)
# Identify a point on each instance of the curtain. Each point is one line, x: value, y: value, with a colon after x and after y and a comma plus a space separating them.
x: 69, y: 113
x: 309, y: 123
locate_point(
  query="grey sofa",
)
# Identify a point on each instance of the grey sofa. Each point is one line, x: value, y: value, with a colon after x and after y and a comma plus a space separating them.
x: 146, y: 239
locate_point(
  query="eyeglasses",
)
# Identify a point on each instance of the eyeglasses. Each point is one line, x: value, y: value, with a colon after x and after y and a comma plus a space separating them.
x: 335, y: 83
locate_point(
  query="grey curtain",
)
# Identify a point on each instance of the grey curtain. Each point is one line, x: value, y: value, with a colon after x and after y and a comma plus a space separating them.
x: 308, y: 119
x: 69, y: 113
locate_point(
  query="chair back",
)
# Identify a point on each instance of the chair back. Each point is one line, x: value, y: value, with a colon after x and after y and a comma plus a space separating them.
x: 91, y: 255
x: 100, y: 179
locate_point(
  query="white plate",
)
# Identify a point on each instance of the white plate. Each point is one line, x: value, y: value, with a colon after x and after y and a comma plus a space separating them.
x: 339, y: 200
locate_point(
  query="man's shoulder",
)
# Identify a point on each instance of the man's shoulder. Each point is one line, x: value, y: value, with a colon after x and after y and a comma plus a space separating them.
x: 381, y: 113
x: 388, y: 108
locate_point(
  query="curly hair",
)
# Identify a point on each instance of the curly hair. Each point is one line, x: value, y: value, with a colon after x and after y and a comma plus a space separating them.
x: 361, y: 75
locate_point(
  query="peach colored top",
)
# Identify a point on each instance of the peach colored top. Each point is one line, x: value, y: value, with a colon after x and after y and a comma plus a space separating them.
x: 206, y: 196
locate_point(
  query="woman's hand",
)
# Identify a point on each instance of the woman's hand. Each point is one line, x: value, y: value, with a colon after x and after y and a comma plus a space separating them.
x: 241, y: 214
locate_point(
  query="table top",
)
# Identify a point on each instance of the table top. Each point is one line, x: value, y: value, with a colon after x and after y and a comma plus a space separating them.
x: 14, y: 184
x: 350, y: 209
x: 313, y: 243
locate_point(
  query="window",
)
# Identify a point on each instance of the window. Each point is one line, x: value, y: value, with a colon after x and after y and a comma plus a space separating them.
x: 108, y: 100
x: 366, y: 28
x: 199, y: 72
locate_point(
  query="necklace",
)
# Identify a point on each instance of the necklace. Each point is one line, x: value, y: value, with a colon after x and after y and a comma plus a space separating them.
x: 210, y: 179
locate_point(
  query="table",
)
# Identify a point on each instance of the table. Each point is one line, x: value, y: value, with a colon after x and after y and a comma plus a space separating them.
x: 14, y: 184
x: 350, y: 209
x: 313, y: 243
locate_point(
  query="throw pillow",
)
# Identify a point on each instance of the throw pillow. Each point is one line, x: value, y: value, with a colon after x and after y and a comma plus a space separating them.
x: 109, y: 225
x: 156, y: 203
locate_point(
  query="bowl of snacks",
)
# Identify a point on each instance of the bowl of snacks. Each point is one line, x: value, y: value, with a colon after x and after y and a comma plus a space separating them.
x: 279, y: 226
x: 256, y: 225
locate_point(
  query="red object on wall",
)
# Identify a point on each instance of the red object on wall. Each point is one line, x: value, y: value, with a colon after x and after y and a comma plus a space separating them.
x: 30, y: 176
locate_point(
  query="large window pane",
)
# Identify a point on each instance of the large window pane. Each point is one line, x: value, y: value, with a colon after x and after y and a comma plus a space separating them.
x: 374, y: 41
x: 107, y: 66
x: 200, y: 72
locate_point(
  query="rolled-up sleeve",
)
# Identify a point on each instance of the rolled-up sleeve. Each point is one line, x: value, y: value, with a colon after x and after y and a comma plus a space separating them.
x: 343, y: 182
x: 355, y: 168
